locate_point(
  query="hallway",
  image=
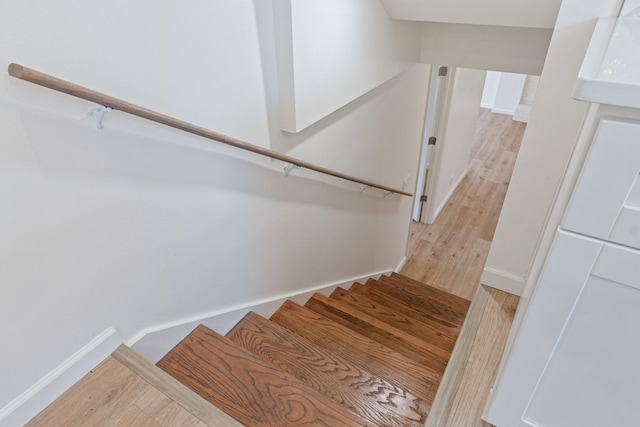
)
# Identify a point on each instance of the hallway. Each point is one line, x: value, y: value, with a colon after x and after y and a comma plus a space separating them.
x: 451, y: 253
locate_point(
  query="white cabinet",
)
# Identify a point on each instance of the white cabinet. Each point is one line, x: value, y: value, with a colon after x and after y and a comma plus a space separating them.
x: 606, y: 202
x: 576, y: 359
x: 592, y: 377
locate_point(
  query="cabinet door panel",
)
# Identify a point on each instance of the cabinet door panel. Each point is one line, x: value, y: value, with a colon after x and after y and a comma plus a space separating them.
x: 593, y: 377
x: 571, y: 259
x: 607, y: 182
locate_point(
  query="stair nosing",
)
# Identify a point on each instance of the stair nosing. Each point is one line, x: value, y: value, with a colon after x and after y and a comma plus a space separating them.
x: 195, y: 404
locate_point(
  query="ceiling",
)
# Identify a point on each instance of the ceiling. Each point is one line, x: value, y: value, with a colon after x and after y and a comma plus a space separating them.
x: 509, y: 13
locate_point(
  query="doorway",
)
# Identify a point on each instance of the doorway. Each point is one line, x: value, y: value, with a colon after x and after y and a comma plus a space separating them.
x: 474, y: 174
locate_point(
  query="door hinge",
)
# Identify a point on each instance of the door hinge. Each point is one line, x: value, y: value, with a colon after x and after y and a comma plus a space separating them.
x: 442, y: 71
x: 423, y: 198
x: 432, y: 140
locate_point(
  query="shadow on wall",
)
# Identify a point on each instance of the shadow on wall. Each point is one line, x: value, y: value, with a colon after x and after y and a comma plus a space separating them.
x: 68, y: 150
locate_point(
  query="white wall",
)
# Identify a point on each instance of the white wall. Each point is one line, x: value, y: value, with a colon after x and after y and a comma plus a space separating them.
x: 554, y: 124
x: 138, y: 225
x: 453, y: 151
x: 484, y: 47
x: 331, y: 52
x: 509, y: 93
x: 490, y: 89
x: 631, y: 8
x: 522, y: 13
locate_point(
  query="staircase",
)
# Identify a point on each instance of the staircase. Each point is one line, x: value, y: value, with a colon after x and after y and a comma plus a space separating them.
x: 372, y: 355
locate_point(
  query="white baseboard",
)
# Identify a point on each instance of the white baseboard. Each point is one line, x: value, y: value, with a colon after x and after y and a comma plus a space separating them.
x: 447, y: 197
x: 153, y: 343
x: 51, y: 386
x: 486, y: 105
x: 402, y: 263
x: 503, y: 111
x: 502, y: 280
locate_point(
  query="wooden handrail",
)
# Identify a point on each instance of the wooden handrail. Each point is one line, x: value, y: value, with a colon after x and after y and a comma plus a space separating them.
x: 33, y: 76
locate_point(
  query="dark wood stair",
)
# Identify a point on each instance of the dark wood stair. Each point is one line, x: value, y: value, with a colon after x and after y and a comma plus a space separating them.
x: 372, y: 355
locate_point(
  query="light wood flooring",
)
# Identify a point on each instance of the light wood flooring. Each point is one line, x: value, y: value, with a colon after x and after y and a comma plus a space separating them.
x: 451, y: 253
x: 113, y: 395
x: 127, y: 390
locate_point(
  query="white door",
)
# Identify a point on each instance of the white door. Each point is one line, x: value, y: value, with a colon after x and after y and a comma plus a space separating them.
x: 435, y: 105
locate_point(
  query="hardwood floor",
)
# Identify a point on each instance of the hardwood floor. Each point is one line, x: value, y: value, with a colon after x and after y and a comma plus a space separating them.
x: 451, y: 253
x: 113, y: 395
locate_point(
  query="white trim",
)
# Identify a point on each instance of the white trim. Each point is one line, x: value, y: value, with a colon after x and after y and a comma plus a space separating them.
x: 402, y: 263
x: 503, y: 280
x: 486, y: 105
x: 37, y: 397
x: 154, y: 342
x: 526, y: 423
x: 448, y: 196
x: 503, y: 111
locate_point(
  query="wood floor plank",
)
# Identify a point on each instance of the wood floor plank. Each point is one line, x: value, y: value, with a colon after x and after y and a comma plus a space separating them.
x: 379, y: 331
x: 249, y: 389
x: 436, y: 342
x: 378, y: 359
x: 482, y: 366
x: 373, y: 398
x: 172, y: 388
x: 99, y: 398
x: 165, y: 411
x: 440, y: 336
x: 135, y: 416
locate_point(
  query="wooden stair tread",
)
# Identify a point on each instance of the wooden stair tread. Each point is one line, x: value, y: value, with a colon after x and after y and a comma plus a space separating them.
x: 378, y: 359
x: 455, y: 302
x: 427, y: 296
x: 371, y: 292
x: 454, y: 305
x: 247, y: 388
x: 438, y: 343
x: 377, y: 330
x: 428, y: 309
x: 371, y: 397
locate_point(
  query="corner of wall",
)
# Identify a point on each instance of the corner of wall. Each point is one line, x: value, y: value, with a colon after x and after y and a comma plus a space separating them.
x: 503, y: 280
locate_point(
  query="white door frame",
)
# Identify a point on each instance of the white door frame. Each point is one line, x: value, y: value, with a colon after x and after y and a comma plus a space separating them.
x: 428, y: 164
